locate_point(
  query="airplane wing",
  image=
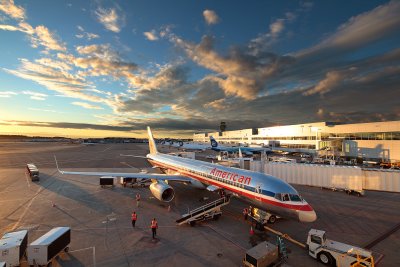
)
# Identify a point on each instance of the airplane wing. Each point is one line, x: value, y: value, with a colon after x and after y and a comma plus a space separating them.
x: 154, y: 176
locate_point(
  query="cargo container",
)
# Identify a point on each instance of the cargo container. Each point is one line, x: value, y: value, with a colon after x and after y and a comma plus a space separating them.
x: 263, y: 255
x: 13, y: 247
x: 45, y: 248
x: 33, y: 171
x: 107, y: 181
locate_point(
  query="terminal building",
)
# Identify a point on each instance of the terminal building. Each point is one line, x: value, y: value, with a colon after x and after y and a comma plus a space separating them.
x: 375, y: 141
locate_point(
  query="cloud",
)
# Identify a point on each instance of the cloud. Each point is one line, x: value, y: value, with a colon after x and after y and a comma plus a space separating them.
x: 55, y: 79
x: 332, y: 79
x: 109, y: 18
x: 83, y: 34
x: 239, y: 73
x: 38, y: 123
x: 276, y: 27
x: 151, y: 36
x: 86, y: 105
x: 359, y: 31
x: 8, y: 7
x: 9, y: 28
x: 5, y: 94
x: 210, y: 17
x: 38, y: 36
x: 35, y: 95
x: 101, y: 60
x: 47, y: 39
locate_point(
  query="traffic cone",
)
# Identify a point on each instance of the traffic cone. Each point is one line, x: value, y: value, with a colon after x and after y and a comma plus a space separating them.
x: 251, y: 230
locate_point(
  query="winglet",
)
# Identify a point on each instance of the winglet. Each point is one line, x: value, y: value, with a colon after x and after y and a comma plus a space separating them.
x: 57, y: 165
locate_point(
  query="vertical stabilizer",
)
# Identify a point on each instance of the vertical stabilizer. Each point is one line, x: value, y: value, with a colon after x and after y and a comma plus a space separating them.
x: 152, y: 143
x: 214, y: 142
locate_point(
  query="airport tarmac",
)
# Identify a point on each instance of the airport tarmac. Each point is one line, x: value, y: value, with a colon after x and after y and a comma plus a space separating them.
x: 102, y: 234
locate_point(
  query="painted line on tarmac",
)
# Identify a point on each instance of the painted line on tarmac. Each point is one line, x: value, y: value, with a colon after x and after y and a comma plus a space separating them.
x: 106, y: 149
x: 27, y: 181
x: 26, y: 209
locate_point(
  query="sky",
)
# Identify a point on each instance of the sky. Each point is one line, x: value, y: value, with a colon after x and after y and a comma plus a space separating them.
x: 111, y: 68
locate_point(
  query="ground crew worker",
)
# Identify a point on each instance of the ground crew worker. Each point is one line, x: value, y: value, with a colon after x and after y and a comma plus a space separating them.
x: 134, y: 218
x: 245, y: 213
x: 137, y: 199
x: 154, y: 227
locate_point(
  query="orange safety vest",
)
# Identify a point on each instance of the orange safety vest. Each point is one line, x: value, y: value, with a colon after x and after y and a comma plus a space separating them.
x: 134, y: 216
x: 154, y: 224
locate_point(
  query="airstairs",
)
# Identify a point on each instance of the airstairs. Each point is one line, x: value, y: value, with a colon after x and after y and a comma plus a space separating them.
x: 208, y: 211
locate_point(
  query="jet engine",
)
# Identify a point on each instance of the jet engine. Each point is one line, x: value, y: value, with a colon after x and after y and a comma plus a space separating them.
x: 162, y: 191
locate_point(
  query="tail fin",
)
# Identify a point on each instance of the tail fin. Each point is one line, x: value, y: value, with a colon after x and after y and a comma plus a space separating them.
x: 152, y: 143
x: 214, y: 143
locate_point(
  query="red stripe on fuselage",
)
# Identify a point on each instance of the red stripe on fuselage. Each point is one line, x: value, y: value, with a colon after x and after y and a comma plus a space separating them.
x: 233, y: 188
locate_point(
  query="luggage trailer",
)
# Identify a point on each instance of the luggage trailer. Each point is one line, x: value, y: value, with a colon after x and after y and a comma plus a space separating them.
x: 44, y: 249
x: 12, y: 247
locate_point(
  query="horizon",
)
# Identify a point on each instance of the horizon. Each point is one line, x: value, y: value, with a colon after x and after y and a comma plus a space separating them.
x: 183, y: 67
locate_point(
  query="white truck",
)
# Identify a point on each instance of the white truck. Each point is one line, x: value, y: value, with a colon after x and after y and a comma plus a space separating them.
x: 334, y: 253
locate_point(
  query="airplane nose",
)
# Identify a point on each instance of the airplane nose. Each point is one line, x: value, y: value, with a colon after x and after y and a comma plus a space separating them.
x: 307, y: 216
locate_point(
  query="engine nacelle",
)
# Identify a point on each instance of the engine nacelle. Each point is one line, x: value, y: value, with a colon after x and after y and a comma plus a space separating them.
x: 162, y: 191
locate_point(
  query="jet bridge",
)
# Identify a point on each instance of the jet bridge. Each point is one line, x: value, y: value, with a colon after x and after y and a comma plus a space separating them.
x: 208, y: 211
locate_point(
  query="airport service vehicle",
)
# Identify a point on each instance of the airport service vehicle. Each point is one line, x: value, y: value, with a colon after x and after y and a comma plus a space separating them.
x: 33, y: 171
x: 258, y: 189
x: 334, y: 253
x: 262, y: 217
x: 13, y: 247
x: 232, y: 149
x: 44, y: 249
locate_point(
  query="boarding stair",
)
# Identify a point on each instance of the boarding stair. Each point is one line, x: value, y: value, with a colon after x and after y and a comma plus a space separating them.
x: 210, y: 210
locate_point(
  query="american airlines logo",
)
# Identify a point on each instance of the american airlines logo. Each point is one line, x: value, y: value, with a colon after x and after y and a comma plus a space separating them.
x: 231, y: 176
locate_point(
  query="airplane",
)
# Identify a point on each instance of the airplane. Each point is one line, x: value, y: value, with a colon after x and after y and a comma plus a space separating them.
x: 260, y: 190
x: 190, y: 146
x: 233, y: 149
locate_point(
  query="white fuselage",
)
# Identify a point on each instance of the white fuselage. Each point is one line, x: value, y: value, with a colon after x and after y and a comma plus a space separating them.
x: 263, y: 191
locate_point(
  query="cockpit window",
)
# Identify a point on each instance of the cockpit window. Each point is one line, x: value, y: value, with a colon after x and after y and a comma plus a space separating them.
x: 278, y: 196
x: 295, y: 198
x: 285, y: 197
